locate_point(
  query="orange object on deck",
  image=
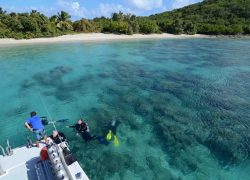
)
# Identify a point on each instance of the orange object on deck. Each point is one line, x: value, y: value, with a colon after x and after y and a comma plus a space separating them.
x: 44, y: 154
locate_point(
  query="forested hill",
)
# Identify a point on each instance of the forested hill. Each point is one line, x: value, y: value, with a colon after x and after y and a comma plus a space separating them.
x: 208, y: 17
x: 214, y: 17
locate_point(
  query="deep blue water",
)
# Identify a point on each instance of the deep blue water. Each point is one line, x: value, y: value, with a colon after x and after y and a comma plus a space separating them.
x: 182, y: 106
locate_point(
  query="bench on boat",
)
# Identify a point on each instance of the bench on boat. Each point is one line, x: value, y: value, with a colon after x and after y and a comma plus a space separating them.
x: 44, y: 171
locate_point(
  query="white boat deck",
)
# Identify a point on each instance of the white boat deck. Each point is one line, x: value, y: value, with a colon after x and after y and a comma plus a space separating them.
x: 21, y: 165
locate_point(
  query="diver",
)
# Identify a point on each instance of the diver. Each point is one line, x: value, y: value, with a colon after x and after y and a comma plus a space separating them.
x: 57, y: 137
x: 110, y: 134
x: 83, y: 129
x: 34, y: 124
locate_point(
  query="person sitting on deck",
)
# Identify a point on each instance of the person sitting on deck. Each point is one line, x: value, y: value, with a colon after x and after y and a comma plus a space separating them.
x: 34, y: 124
x: 82, y: 128
x: 57, y: 137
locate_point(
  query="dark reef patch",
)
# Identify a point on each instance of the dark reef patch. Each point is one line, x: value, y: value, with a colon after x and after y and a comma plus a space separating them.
x: 53, y: 77
x: 184, y: 109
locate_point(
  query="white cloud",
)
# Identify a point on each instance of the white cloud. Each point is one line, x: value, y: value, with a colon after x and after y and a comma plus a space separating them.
x: 147, y: 4
x: 107, y: 9
x: 72, y: 7
x: 75, y: 9
x: 75, y: 5
x: 181, y: 3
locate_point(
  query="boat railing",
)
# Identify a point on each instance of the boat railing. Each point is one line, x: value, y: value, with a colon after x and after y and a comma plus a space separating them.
x: 3, y: 151
x: 8, y: 149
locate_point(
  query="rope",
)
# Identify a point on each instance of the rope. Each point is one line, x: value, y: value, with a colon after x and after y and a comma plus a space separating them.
x: 47, y: 111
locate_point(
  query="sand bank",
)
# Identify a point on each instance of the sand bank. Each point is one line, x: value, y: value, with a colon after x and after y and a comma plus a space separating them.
x: 88, y: 37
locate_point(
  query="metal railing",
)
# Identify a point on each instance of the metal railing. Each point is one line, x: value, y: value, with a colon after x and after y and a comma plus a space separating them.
x: 3, y: 152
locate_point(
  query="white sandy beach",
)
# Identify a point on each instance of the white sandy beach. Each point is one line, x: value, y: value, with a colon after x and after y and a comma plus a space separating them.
x: 88, y: 37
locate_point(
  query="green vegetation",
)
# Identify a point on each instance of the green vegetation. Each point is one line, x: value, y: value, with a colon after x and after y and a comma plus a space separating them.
x: 213, y: 17
x: 27, y: 25
x: 227, y: 17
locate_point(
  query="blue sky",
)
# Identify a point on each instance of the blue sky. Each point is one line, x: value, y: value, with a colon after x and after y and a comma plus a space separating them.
x: 93, y: 8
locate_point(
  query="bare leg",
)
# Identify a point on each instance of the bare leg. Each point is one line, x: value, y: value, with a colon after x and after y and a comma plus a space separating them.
x: 46, y: 139
x: 37, y: 144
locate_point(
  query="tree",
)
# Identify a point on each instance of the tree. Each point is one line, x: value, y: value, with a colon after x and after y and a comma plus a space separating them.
x: 63, y: 16
x: 165, y: 25
x: 13, y: 14
x: 237, y: 29
x: 130, y: 30
x: 15, y: 25
x: 2, y: 11
x: 114, y: 17
x: 189, y: 28
x: 84, y: 25
x: 120, y: 27
x: 64, y: 26
x: 118, y: 16
x: 135, y: 27
x: 246, y: 29
x: 53, y: 19
x: 147, y: 27
x: 28, y: 24
x: 177, y: 27
x: 34, y: 13
x: 63, y: 21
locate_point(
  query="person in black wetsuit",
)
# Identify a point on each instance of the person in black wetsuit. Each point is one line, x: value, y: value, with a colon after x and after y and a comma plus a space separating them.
x: 83, y: 129
x: 57, y: 137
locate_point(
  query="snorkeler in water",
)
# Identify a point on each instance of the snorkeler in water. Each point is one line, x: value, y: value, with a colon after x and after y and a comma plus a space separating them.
x: 109, y: 135
x: 82, y: 128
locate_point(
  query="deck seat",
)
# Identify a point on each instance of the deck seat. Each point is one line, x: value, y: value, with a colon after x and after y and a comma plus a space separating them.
x: 44, y: 171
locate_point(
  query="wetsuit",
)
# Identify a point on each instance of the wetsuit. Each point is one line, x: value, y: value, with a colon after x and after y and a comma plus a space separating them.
x: 59, y: 138
x: 110, y: 127
x: 83, y: 129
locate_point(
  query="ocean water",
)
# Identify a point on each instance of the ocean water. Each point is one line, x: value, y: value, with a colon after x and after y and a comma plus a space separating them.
x: 182, y: 106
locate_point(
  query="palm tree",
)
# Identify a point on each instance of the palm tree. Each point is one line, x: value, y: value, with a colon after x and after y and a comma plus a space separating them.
x: 118, y: 16
x: 63, y: 16
x: 2, y: 11
x: 62, y: 21
x: 53, y: 19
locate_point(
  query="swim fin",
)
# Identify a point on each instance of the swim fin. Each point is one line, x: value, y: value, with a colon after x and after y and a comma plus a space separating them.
x: 116, y: 141
x: 109, y: 135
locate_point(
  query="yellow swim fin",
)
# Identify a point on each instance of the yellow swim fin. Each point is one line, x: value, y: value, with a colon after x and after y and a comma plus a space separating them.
x: 116, y: 141
x: 109, y: 135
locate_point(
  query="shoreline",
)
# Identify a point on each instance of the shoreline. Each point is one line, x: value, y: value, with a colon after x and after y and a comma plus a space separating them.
x: 95, y: 37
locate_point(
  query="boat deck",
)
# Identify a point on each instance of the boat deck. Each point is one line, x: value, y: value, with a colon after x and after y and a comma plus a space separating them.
x: 21, y: 165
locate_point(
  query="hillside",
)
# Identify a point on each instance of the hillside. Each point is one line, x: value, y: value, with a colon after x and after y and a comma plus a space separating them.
x: 208, y: 17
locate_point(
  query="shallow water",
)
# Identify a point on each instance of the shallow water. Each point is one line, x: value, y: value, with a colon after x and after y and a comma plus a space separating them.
x: 182, y: 106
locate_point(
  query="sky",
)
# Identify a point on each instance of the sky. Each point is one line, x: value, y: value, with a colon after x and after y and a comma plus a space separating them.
x: 94, y: 8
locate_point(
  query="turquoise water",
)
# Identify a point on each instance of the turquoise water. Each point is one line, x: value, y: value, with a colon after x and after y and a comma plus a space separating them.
x: 182, y: 106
